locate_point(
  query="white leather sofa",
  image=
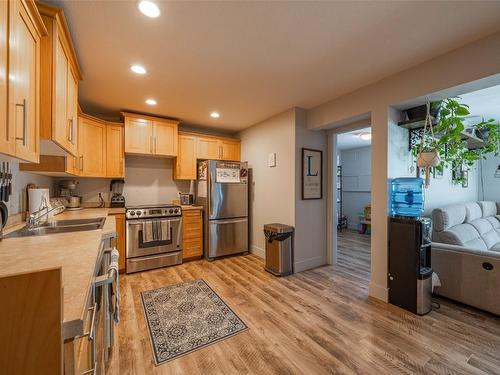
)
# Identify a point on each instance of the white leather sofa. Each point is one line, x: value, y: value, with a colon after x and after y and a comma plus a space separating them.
x: 466, y: 253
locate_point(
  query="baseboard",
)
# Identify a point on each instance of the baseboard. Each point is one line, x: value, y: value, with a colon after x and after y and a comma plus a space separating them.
x: 378, y: 291
x: 261, y: 253
x: 307, y: 264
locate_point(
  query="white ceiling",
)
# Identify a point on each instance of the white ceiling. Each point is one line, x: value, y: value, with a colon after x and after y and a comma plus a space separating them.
x: 346, y: 141
x: 250, y: 59
x: 483, y: 104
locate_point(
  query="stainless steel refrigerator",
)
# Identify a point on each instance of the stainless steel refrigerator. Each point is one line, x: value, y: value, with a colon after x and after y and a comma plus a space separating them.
x: 223, y: 192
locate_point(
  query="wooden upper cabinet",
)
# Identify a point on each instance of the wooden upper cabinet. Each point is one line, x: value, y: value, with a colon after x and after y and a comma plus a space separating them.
x: 21, y: 136
x: 115, y: 157
x: 60, y: 74
x: 165, y: 138
x: 92, y: 159
x: 147, y: 135
x: 230, y: 150
x: 7, y: 144
x: 207, y: 148
x: 185, y: 164
x: 138, y: 136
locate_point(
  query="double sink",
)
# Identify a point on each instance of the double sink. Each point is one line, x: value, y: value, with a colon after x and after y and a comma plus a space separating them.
x: 59, y: 226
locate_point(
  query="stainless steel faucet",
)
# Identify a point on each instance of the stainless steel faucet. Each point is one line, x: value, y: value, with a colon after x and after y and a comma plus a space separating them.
x: 35, y: 218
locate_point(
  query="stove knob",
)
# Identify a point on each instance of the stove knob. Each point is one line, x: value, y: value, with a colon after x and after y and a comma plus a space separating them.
x: 176, y: 210
x: 139, y: 213
x: 171, y: 211
x: 132, y: 213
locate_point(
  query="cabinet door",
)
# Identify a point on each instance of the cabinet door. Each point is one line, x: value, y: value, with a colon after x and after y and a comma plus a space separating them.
x: 92, y: 148
x: 230, y: 150
x: 207, y: 148
x: 72, y: 112
x: 114, y: 151
x: 7, y: 130
x: 138, y: 136
x: 60, y: 128
x: 165, y: 138
x: 24, y: 55
x: 120, y: 241
x: 185, y: 166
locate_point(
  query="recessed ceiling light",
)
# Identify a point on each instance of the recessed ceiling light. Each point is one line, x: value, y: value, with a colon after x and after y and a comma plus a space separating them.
x: 215, y: 115
x: 365, y: 136
x: 148, y: 8
x: 139, y: 69
x: 151, y: 101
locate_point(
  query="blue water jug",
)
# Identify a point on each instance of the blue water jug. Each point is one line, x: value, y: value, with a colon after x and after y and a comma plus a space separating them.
x: 407, y: 196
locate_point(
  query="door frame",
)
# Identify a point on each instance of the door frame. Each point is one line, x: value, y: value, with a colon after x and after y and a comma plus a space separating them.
x: 331, y: 233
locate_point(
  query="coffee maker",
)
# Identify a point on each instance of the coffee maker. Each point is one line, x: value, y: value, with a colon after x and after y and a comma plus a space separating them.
x: 116, y: 187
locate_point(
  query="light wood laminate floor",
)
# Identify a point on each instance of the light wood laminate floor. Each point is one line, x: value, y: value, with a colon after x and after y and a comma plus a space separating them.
x: 353, y: 253
x: 316, y: 322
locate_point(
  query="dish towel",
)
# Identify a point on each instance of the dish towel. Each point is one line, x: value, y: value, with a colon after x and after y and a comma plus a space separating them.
x: 165, y: 230
x: 436, y: 282
x: 114, y: 307
x: 147, y: 231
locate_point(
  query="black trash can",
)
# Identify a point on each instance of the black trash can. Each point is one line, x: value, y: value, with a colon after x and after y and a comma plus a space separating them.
x: 279, y: 249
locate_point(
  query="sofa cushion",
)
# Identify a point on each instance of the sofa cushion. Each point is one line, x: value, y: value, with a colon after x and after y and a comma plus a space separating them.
x: 495, y: 247
x: 462, y: 235
x: 444, y: 218
x: 489, y: 208
x: 473, y: 211
x: 495, y: 223
x: 489, y: 235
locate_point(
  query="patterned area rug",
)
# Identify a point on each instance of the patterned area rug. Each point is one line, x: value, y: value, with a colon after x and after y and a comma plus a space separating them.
x: 185, y: 317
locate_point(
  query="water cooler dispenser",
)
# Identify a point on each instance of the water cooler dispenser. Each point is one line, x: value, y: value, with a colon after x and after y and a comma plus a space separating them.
x: 410, y: 271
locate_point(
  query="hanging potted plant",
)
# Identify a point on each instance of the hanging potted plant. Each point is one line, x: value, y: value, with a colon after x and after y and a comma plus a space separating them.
x: 428, y: 152
x: 450, y: 148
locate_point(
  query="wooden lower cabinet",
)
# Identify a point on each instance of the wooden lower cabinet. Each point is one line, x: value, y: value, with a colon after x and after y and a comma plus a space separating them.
x: 192, y: 234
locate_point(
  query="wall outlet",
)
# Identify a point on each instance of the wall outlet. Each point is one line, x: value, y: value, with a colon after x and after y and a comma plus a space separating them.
x: 271, y: 160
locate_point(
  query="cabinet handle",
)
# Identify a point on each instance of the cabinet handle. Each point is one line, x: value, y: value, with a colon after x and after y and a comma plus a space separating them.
x: 151, y: 144
x: 70, y: 136
x: 81, y: 163
x: 25, y: 128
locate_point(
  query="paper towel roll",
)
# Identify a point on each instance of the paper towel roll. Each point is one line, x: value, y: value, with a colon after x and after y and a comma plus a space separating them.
x: 38, y: 198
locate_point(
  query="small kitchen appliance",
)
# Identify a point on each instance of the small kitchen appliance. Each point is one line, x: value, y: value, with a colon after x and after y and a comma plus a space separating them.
x: 186, y: 199
x: 116, y: 187
x: 66, y: 190
x: 154, y: 237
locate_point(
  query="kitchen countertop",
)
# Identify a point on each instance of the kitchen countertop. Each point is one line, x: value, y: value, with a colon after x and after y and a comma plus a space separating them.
x: 76, y: 253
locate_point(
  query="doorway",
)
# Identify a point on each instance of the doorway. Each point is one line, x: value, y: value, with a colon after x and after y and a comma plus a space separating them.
x: 352, y: 197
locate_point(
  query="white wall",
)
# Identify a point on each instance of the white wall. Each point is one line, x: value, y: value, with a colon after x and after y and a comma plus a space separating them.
x: 148, y: 181
x: 356, y: 186
x: 442, y: 191
x: 272, y: 191
x: 310, y: 215
x: 490, y: 185
x: 474, y: 66
x: 17, y: 201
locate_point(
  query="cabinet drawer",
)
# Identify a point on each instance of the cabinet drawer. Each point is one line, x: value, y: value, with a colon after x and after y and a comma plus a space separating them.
x: 192, y: 233
x: 191, y: 213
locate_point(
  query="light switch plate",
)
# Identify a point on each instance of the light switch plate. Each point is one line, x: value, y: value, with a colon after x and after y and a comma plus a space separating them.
x: 271, y: 160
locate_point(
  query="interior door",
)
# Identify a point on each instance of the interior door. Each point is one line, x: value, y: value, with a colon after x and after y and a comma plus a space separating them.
x: 24, y: 84
x: 138, y: 136
x: 165, y: 138
x: 60, y: 128
x: 228, y: 236
x: 93, y: 148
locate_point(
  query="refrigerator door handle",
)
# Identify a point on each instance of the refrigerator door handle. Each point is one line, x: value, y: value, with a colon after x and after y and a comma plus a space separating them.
x: 229, y: 221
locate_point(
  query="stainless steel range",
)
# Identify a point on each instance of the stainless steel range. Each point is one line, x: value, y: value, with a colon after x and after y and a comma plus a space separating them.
x: 154, y: 237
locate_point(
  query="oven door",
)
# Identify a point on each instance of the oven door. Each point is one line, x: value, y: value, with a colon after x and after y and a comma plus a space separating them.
x: 137, y: 247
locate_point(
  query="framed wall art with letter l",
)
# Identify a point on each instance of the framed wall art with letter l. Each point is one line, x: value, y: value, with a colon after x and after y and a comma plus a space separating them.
x: 312, y: 174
